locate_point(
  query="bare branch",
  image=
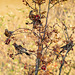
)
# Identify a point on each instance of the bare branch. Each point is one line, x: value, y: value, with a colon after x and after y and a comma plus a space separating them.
x: 54, y: 4
x: 28, y: 5
x: 63, y: 58
x: 66, y: 31
x: 25, y: 32
x: 39, y: 40
x: 46, y: 20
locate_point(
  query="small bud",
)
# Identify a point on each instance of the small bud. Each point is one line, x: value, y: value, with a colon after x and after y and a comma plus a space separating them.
x: 11, y: 55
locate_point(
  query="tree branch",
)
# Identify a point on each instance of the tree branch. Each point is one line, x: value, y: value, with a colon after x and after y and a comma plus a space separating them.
x: 46, y: 20
x: 63, y: 58
x: 28, y: 5
x: 39, y: 40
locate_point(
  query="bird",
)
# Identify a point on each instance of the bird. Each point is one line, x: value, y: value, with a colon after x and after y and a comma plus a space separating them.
x: 31, y: 15
x: 20, y: 49
x: 8, y: 33
x: 35, y: 23
x: 65, y: 47
x: 35, y: 19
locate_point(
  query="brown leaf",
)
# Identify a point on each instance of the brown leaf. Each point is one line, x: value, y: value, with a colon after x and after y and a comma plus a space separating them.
x: 22, y: 0
x: 42, y: 16
x: 73, y: 28
x: 39, y: 2
x: 53, y: 1
x: 56, y: 31
x: 39, y: 55
x: 63, y: 0
x: 50, y: 60
x: 43, y: 12
x: 31, y: 51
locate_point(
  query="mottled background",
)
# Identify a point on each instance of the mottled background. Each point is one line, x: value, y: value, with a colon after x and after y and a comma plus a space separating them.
x: 13, y: 14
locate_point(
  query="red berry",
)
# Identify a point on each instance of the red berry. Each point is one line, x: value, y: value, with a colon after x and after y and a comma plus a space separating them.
x: 10, y: 55
x: 61, y: 61
x: 7, y: 41
x: 43, y: 67
x: 72, y: 49
x: 22, y: 0
x: 25, y: 66
x: 37, y: 17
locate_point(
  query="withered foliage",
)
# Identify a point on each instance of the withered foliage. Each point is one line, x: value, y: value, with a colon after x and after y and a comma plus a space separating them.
x: 39, y: 2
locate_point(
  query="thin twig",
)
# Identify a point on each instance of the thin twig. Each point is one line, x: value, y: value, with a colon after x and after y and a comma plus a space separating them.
x: 69, y: 48
x: 47, y: 46
x: 38, y: 60
x: 46, y: 20
x: 54, y: 4
x: 63, y: 62
x: 25, y: 32
x: 63, y: 58
x: 72, y: 34
x: 62, y: 30
x: 28, y: 5
x: 66, y: 31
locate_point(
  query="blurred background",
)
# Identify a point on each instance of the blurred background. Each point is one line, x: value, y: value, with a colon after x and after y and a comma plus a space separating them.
x: 9, y: 3
x: 13, y: 15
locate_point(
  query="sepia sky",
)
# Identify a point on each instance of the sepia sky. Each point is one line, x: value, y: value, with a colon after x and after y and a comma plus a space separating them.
x: 9, y: 3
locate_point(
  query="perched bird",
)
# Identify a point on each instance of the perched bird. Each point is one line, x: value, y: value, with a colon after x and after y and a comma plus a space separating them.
x: 65, y: 47
x: 35, y: 19
x: 20, y: 49
x: 8, y: 33
x: 31, y: 15
x: 35, y: 23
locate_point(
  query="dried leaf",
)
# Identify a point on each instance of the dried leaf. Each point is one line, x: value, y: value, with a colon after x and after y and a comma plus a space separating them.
x: 43, y: 16
x: 23, y: 1
x: 39, y: 55
x: 43, y: 12
x: 73, y: 28
x: 39, y: 2
x: 31, y: 51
